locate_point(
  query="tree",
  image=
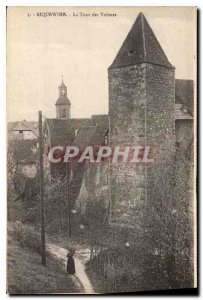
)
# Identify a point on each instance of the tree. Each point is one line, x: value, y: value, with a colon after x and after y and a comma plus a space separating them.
x: 22, y: 177
x: 96, y: 217
x: 168, y: 221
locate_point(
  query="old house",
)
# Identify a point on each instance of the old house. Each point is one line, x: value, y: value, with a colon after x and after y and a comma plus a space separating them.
x: 23, y: 130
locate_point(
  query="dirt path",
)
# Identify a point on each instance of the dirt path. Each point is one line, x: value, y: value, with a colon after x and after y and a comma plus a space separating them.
x: 79, y: 266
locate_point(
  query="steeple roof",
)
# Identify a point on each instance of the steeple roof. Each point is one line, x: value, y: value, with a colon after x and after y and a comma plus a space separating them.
x: 63, y: 101
x: 140, y: 45
x: 62, y: 83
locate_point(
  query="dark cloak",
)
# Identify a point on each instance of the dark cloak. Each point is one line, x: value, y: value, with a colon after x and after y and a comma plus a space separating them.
x: 70, y: 265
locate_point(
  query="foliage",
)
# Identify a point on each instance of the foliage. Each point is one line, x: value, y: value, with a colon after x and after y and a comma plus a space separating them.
x: 25, y: 151
x: 27, y: 236
x: 96, y: 217
x: 20, y: 152
x: 168, y: 220
x: 160, y: 253
x: 61, y: 192
x: 22, y: 168
x: 56, y: 204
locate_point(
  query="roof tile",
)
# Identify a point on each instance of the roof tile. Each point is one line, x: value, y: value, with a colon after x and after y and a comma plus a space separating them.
x: 140, y: 45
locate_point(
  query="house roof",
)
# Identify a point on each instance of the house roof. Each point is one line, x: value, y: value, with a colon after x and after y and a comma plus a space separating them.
x: 184, y: 94
x: 100, y: 121
x: 60, y: 131
x: 140, y: 45
x: 94, y: 133
x: 99, y: 136
x: 181, y: 112
x: 90, y: 136
x: 11, y: 125
x: 26, y: 126
x: 89, y: 130
x: 84, y: 136
x: 81, y: 122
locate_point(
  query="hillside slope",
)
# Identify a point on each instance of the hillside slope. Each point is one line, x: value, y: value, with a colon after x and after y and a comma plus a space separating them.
x: 26, y: 275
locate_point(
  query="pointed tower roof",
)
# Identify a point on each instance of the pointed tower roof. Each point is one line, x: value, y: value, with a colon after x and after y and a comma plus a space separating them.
x: 62, y: 83
x: 140, y: 45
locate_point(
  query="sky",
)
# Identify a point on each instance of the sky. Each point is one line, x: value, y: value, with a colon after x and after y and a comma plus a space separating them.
x: 81, y: 48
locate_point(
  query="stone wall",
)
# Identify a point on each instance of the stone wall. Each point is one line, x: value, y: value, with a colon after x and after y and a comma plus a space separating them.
x: 141, y: 109
x: 160, y: 98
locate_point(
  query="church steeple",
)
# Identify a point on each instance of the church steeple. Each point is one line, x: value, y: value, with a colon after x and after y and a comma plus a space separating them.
x: 63, y: 103
x: 62, y: 89
x: 141, y: 45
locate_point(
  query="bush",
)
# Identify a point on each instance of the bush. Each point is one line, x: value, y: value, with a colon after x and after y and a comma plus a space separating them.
x: 27, y: 236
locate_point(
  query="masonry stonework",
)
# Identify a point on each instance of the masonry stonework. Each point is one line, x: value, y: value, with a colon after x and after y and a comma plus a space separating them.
x: 127, y: 96
x: 141, y: 109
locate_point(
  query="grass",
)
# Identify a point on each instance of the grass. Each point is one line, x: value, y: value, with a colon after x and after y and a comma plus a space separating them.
x: 26, y: 275
x: 27, y: 236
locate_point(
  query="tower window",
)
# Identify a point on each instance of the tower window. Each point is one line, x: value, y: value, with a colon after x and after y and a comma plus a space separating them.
x: 131, y: 52
x: 177, y: 145
x: 64, y: 113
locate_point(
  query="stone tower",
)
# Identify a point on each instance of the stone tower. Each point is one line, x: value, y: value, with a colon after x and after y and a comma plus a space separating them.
x: 63, y: 103
x: 141, y: 109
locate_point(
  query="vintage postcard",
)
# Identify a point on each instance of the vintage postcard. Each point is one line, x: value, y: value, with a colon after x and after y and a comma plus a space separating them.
x: 101, y: 150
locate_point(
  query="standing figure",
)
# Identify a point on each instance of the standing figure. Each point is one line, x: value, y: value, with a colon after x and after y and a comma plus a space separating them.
x: 70, y: 263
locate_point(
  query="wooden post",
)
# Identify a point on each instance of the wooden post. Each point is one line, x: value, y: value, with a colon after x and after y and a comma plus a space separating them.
x: 68, y: 198
x: 69, y: 209
x: 41, y: 171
